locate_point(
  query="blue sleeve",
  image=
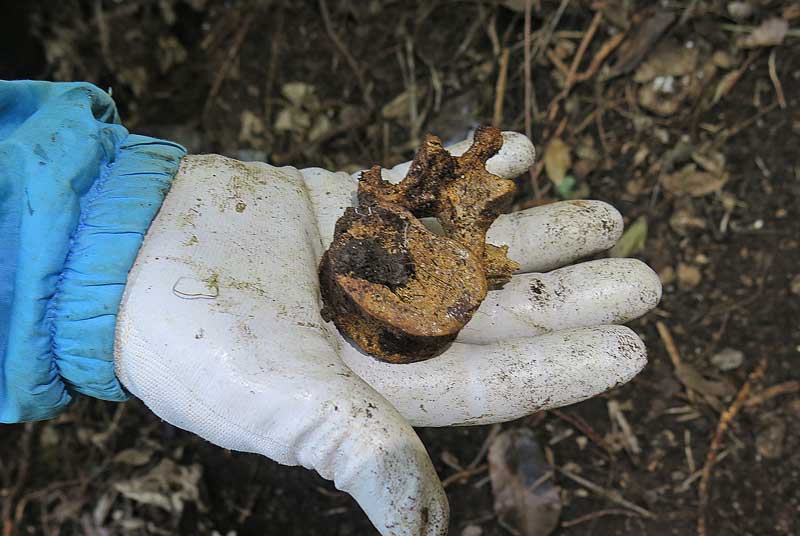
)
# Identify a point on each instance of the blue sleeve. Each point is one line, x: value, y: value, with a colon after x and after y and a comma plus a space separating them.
x: 77, y: 194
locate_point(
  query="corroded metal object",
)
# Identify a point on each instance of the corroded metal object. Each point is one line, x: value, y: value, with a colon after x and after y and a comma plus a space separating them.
x: 396, y: 289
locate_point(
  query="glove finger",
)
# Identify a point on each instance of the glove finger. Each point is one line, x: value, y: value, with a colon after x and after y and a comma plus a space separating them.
x: 549, y: 236
x: 605, y: 291
x: 471, y: 384
x: 514, y: 158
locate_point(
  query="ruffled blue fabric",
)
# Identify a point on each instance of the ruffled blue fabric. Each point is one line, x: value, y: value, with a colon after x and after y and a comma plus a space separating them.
x: 77, y: 194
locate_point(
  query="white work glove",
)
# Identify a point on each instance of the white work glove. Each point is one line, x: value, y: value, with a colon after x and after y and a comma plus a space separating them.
x: 220, y: 331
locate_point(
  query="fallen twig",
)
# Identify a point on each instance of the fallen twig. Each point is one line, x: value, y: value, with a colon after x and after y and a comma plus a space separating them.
x: 233, y: 51
x: 103, y: 35
x: 784, y: 388
x: 669, y: 344
x: 493, y: 433
x: 464, y: 474
x: 776, y: 82
x: 342, y: 48
x: 576, y: 61
x: 605, y: 50
x: 739, y: 28
x: 612, y: 495
x: 734, y: 77
x: 595, y: 515
x: 584, y: 428
x: 722, y: 426
x: 558, y: 64
x: 500, y: 88
x: 529, y: 88
x: 274, y: 61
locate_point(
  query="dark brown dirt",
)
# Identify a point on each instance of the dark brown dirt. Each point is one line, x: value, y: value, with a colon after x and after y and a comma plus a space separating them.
x: 210, y: 74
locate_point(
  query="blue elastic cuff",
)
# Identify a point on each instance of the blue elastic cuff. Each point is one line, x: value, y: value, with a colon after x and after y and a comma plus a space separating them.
x: 77, y: 194
x: 115, y: 214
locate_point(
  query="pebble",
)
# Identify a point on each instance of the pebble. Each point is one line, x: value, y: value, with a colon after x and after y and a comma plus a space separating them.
x: 688, y: 275
x: 769, y: 442
x: 795, y: 285
x: 727, y: 359
x: 667, y: 275
x: 740, y: 10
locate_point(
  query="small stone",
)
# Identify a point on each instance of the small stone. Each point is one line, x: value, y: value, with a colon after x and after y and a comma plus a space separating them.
x: 49, y: 437
x: 769, y: 442
x: 688, y: 275
x: 723, y: 59
x: 727, y: 359
x: 667, y: 275
x: 740, y: 10
x: 795, y: 285
x: 472, y: 530
x: 635, y: 186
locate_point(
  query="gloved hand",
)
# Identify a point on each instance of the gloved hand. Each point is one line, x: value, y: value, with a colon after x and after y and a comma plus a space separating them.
x: 220, y: 331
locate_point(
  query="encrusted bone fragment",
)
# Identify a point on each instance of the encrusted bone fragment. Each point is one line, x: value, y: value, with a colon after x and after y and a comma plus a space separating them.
x: 399, y: 291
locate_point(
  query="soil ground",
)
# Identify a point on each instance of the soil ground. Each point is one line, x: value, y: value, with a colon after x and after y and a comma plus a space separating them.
x: 369, y: 79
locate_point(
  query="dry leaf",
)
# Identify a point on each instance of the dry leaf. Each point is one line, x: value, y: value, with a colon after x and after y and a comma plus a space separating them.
x: 292, y: 119
x: 713, y: 162
x: 320, y: 127
x: 632, y: 240
x: 134, y: 457
x: 689, y: 276
x: 135, y: 77
x: 689, y: 181
x: 399, y: 106
x: 171, y: 53
x: 251, y: 132
x: 525, y: 499
x: 515, y: 5
x: 691, y: 378
x: 725, y: 85
x: 167, y: 486
x: 618, y: 418
x: 299, y: 93
x: 660, y: 98
x: 770, y: 32
x: 683, y: 220
x: 724, y: 60
x: 670, y: 58
x: 557, y: 160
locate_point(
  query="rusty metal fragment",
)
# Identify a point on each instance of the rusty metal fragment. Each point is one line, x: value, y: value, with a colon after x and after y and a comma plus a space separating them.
x: 396, y: 289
